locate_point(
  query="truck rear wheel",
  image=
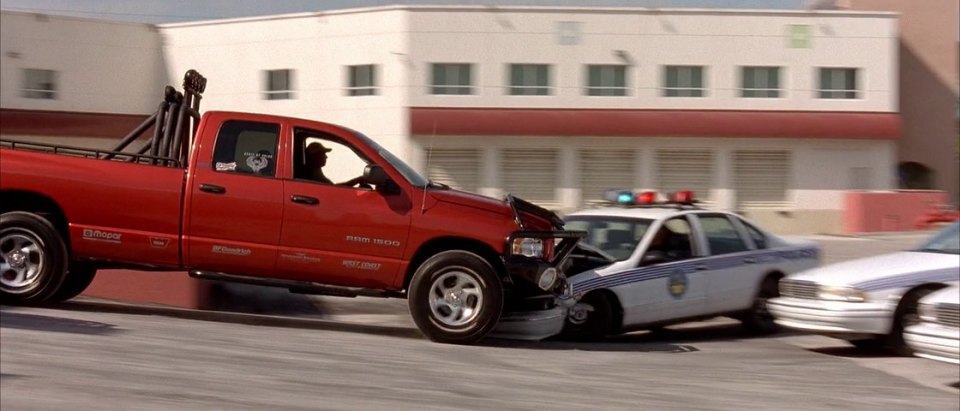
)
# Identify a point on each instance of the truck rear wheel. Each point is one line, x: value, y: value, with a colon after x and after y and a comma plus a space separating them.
x: 33, y: 258
x: 455, y: 297
x: 79, y: 276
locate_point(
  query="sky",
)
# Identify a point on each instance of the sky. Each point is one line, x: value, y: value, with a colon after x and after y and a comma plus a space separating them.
x: 171, y: 11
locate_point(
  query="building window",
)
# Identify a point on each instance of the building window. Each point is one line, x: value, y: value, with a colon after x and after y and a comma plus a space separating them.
x: 568, y: 33
x: 529, y: 80
x: 760, y: 82
x: 451, y: 79
x: 799, y: 36
x: 683, y: 81
x: 606, y: 80
x: 279, y: 84
x: 39, y: 83
x: 362, y: 80
x: 838, y: 83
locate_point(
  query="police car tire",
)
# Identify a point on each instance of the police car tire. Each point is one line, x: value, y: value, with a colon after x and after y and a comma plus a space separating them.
x: 758, y: 323
x: 79, y: 276
x: 599, y: 322
x: 905, y: 315
x: 18, y: 227
x: 480, y: 271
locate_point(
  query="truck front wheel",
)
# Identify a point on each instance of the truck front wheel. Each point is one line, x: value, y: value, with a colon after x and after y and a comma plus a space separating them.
x: 79, y: 276
x: 455, y: 297
x: 33, y: 258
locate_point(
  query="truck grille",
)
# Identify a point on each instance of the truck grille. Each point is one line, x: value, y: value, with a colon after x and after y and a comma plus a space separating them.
x: 798, y: 289
x: 947, y: 314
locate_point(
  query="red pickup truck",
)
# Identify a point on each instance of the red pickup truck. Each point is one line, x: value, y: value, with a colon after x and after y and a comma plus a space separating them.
x: 231, y: 196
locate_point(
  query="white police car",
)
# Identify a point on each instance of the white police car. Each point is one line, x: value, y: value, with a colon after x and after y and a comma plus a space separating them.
x: 870, y: 301
x: 937, y: 336
x: 667, y: 262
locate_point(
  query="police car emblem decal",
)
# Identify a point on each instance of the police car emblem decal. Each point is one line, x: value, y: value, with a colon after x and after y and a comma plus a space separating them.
x: 677, y: 284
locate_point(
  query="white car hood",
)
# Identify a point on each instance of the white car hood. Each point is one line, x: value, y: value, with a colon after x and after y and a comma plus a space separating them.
x: 886, y: 269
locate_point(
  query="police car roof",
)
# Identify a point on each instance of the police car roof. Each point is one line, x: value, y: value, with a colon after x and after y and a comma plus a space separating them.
x: 652, y: 213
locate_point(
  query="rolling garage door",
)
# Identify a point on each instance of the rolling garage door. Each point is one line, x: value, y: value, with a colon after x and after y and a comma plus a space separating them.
x: 605, y: 169
x: 531, y: 174
x: 761, y: 178
x: 457, y: 167
x: 685, y: 169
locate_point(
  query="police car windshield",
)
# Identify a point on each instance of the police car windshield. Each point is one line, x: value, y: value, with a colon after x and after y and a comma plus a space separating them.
x: 947, y: 241
x: 613, y: 235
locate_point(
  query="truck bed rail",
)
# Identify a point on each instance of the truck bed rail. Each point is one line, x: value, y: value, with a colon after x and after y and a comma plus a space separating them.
x: 88, y: 152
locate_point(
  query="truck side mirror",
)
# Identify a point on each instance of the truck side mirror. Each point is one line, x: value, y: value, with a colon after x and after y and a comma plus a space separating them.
x: 374, y: 174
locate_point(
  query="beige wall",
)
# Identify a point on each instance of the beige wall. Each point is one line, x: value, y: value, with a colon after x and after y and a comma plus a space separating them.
x: 929, y: 83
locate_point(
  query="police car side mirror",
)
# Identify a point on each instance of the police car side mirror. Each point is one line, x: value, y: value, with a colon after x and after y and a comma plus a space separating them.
x: 653, y: 257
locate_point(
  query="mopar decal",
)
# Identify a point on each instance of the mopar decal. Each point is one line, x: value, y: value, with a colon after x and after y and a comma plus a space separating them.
x: 361, y: 265
x: 222, y: 249
x: 105, y: 236
x: 374, y: 241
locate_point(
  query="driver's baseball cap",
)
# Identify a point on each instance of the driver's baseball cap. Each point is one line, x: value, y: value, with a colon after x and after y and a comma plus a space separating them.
x: 317, y: 148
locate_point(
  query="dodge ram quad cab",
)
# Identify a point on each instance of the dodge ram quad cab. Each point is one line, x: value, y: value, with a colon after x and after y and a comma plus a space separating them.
x: 232, y: 196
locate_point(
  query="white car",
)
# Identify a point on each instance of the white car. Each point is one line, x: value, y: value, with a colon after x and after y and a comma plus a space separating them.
x: 937, y: 337
x: 667, y: 263
x: 871, y: 300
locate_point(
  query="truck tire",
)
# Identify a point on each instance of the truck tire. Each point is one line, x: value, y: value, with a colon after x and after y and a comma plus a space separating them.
x: 79, y: 276
x: 33, y: 258
x: 455, y: 297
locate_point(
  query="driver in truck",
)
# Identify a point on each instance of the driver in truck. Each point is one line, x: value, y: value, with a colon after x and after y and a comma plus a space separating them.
x: 315, y: 156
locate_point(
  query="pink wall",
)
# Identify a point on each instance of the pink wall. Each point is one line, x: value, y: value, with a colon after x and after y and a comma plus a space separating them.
x: 865, y: 211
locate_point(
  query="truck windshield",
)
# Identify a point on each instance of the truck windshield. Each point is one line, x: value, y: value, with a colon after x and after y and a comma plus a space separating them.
x: 408, y: 172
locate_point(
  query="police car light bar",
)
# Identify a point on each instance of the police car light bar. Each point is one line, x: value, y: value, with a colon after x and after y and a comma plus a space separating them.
x: 630, y: 198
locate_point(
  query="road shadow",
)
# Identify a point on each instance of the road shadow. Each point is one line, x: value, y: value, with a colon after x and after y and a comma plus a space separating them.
x: 598, y: 346
x: 301, y: 322
x: 849, y: 351
x: 34, y: 322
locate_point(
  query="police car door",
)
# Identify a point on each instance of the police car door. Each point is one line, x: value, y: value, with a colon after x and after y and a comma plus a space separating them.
x: 733, y: 269
x: 670, y: 288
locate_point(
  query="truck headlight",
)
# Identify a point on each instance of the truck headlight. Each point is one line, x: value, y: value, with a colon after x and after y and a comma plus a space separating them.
x: 547, y: 279
x: 847, y: 294
x: 528, y: 247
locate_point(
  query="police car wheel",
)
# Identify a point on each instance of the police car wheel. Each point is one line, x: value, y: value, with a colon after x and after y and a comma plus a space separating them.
x: 79, y: 276
x: 759, y: 320
x: 455, y: 297
x: 33, y: 258
x: 593, y: 323
x: 905, y: 316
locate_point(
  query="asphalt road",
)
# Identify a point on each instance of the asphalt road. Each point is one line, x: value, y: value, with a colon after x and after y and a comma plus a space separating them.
x: 367, y: 355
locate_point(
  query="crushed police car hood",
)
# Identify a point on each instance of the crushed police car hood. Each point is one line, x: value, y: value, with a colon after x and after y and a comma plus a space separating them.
x: 586, y: 258
x: 885, y: 268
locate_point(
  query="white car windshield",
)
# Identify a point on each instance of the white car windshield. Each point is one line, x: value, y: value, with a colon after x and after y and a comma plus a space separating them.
x: 946, y: 241
x: 617, y: 237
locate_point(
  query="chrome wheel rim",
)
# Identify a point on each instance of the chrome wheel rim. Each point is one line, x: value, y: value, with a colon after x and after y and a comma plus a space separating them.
x: 21, y: 261
x: 456, y: 298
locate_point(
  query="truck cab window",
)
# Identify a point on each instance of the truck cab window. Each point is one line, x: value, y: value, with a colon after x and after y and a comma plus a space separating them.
x: 247, y: 147
x: 323, y: 158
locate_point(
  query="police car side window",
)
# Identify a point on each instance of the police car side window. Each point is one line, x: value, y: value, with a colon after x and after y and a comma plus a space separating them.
x: 247, y: 147
x: 722, y: 235
x: 758, y: 238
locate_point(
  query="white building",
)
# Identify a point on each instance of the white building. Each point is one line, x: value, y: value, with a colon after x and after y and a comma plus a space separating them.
x: 774, y: 113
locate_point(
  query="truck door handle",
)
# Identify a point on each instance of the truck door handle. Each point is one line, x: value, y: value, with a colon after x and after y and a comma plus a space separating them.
x: 304, y: 199
x: 210, y: 188
x: 749, y: 260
